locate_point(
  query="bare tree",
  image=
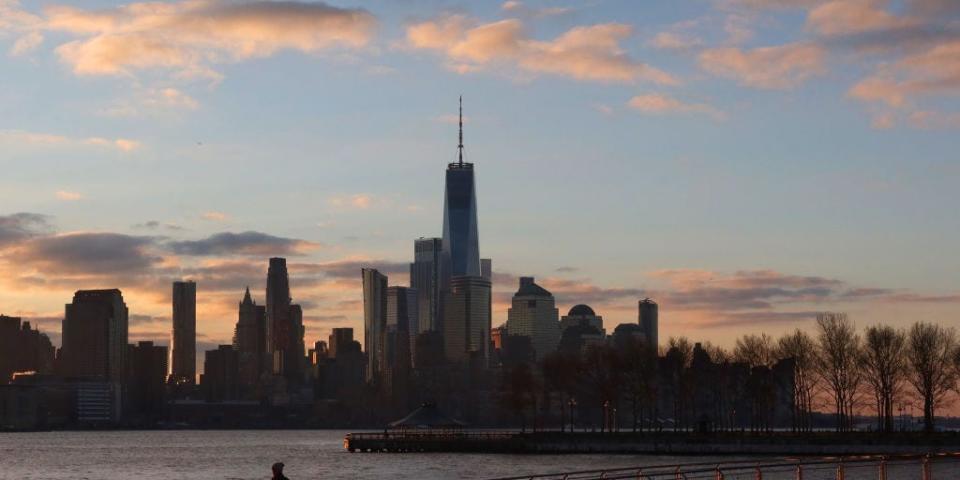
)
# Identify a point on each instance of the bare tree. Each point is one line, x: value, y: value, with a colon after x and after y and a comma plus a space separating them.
x: 884, y: 366
x: 838, y: 366
x: 803, y: 350
x: 754, y: 350
x: 930, y: 351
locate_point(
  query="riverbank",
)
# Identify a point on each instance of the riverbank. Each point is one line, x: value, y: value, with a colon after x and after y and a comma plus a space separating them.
x: 662, y: 443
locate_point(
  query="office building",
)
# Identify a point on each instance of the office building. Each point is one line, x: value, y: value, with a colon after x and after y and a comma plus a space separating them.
x: 425, y: 278
x: 250, y: 340
x: 460, y: 254
x: 534, y: 314
x: 95, y: 336
x: 486, y: 268
x: 648, y: 321
x: 467, y: 319
x: 374, y: 320
x: 183, y: 354
x: 401, y: 314
x: 582, y: 315
x: 339, y: 337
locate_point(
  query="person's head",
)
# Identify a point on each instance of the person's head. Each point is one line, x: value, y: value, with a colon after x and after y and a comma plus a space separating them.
x: 278, y: 468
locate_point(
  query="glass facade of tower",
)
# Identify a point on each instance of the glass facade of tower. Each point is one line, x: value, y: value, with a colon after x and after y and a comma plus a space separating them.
x: 461, y: 243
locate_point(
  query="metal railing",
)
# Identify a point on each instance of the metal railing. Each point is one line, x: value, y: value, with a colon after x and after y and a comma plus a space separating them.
x: 832, y: 468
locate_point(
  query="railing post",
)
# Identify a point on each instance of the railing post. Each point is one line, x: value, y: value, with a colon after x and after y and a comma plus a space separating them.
x: 926, y: 468
x: 678, y: 475
x: 840, y: 475
x: 719, y: 473
x: 799, y: 472
x: 882, y: 473
x: 759, y: 474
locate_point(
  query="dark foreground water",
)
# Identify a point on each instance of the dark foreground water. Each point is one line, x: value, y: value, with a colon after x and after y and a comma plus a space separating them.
x: 307, y: 454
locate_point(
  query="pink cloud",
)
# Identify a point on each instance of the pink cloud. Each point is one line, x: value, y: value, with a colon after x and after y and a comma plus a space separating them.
x: 780, y: 67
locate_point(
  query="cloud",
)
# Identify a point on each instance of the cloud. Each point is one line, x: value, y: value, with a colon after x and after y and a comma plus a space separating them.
x: 660, y: 104
x: 26, y: 44
x: 151, y: 101
x: 350, y: 268
x: 360, y: 201
x: 20, y: 138
x: 190, y: 37
x: 87, y: 253
x: 847, y: 17
x: 520, y: 9
x: 214, y: 216
x: 68, y: 195
x: 243, y: 243
x: 779, y: 67
x: 588, y: 53
x: 154, y: 225
x: 935, y: 70
x: 21, y: 226
x: 675, y: 41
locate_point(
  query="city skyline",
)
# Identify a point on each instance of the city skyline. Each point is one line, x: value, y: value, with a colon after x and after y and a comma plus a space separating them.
x: 733, y: 224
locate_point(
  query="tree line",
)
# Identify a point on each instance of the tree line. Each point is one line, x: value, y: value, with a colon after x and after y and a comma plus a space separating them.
x: 833, y: 368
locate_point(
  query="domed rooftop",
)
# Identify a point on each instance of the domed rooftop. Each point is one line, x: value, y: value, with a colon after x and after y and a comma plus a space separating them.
x: 582, y: 310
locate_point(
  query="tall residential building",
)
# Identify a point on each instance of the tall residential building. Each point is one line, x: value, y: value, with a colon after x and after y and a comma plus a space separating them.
x: 582, y: 315
x: 467, y: 319
x: 460, y: 254
x: 339, y: 338
x: 146, y: 375
x: 649, y: 322
x: 374, y: 320
x: 23, y: 349
x: 250, y: 340
x: 183, y: 355
x: 534, y: 314
x: 401, y: 316
x: 94, y: 342
x: 220, y: 380
x: 425, y: 278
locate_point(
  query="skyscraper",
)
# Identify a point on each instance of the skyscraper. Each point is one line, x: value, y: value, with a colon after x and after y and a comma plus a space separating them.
x: 374, y: 320
x: 486, y: 268
x: 460, y: 255
x: 284, y: 325
x: 466, y: 304
x: 183, y: 355
x: 278, y: 305
x: 467, y: 319
x: 649, y: 322
x: 401, y: 316
x: 534, y: 314
x: 339, y: 337
x: 425, y: 278
x: 250, y: 339
x: 94, y: 342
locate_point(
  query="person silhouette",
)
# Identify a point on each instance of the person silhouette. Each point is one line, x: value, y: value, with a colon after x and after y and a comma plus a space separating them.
x: 278, y: 471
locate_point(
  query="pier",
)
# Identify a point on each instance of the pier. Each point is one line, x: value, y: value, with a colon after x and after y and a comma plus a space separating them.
x: 662, y: 443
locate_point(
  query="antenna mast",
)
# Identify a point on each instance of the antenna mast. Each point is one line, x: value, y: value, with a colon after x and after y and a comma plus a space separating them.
x: 460, y: 145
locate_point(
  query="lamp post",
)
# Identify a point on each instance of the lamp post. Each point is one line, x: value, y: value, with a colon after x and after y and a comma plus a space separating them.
x: 573, y: 406
x: 606, y: 420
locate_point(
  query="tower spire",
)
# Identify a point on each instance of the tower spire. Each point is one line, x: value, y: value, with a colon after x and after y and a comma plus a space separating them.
x: 460, y: 145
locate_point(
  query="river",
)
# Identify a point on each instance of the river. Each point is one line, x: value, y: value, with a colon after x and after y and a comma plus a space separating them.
x: 247, y: 454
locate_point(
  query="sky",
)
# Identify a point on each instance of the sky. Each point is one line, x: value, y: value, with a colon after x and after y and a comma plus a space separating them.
x: 744, y: 163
